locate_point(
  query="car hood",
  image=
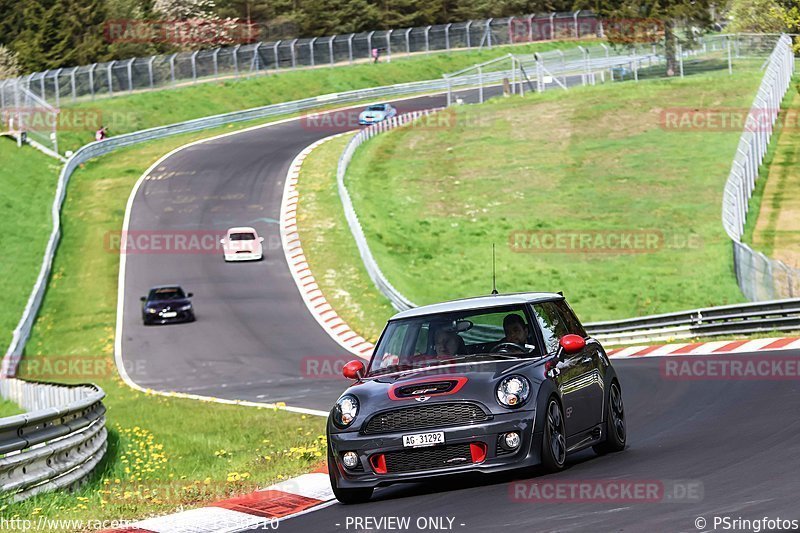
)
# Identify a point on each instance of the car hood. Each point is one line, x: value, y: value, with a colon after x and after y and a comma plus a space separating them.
x: 467, y: 381
x: 373, y: 114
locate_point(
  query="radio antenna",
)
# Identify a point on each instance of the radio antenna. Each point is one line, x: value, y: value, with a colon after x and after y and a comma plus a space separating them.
x: 494, y: 276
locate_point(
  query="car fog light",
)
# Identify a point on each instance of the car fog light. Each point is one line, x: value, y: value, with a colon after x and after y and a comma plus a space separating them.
x: 350, y: 459
x: 512, y: 440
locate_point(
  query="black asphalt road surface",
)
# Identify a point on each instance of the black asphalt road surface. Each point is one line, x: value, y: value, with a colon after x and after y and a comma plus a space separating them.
x: 718, y: 448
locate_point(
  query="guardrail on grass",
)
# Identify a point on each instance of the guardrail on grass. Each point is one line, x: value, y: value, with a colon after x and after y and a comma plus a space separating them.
x: 56, y: 443
x: 757, y: 317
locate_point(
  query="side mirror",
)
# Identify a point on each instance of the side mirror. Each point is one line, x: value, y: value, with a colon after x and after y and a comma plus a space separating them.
x: 143, y: 298
x: 189, y: 295
x: 261, y: 239
x: 222, y: 241
x: 353, y: 370
x: 572, y: 343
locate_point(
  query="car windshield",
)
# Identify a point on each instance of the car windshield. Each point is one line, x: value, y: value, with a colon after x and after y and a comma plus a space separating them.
x: 242, y: 237
x: 437, y: 339
x: 376, y: 108
x: 166, y: 293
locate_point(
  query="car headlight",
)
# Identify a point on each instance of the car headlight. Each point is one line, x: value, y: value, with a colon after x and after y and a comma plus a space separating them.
x: 185, y: 307
x: 345, y: 411
x: 151, y: 310
x: 513, y: 391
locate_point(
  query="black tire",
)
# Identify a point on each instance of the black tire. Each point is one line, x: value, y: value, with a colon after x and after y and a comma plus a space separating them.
x: 554, y: 440
x: 345, y: 496
x: 615, y: 428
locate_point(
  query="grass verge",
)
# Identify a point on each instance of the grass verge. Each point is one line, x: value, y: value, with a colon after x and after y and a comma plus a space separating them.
x: 329, y: 248
x: 27, y: 187
x: 516, y: 172
x: 773, y: 226
x: 163, y: 454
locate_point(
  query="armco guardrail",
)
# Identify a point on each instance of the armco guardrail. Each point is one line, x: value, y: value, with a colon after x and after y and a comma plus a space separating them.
x: 759, y: 277
x: 56, y: 443
x: 779, y: 315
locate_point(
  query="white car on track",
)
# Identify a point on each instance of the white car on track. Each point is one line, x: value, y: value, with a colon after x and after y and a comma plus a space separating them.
x: 242, y: 244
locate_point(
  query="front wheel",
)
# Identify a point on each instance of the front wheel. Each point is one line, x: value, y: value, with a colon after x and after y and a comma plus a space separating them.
x: 554, y: 440
x: 616, y: 432
x: 345, y: 496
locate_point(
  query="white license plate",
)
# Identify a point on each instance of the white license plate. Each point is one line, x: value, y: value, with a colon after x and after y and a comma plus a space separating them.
x: 169, y: 314
x: 423, y: 439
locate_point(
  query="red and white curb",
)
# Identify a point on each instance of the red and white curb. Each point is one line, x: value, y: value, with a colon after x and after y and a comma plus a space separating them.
x: 262, y: 509
x: 319, y: 307
x: 706, y: 348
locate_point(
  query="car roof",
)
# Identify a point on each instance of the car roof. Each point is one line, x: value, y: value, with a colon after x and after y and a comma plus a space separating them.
x: 479, y: 302
x: 158, y: 287
x: 242, y: 229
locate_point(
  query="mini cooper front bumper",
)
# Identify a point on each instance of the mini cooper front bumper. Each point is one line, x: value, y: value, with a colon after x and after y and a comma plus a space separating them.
x: 383, y: 460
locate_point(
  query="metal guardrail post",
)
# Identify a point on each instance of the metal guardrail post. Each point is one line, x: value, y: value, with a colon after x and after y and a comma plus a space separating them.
x: 194, y: 66
x: 130, y: 74
x: 110, y: 79
x: 480, y: 84
x: 292, y: 50
x: 150, y: 70
x: 276, y: 54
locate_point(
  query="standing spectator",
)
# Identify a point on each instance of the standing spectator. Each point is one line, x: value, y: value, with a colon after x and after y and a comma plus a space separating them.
x: 376, y: 54
x: 101, y: 134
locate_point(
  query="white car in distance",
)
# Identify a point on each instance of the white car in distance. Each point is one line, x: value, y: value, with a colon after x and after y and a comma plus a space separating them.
x: 242, y: 244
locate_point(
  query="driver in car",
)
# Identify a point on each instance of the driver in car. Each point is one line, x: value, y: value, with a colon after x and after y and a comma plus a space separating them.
x: 445, y: 342
x: 516, y: 333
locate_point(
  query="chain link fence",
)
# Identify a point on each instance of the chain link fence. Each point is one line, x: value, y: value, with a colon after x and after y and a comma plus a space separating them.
x: 142, y: 73
x: 759, y: 277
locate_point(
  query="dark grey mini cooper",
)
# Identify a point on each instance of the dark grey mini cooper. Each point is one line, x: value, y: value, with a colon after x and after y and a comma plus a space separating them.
x: 483, y: 384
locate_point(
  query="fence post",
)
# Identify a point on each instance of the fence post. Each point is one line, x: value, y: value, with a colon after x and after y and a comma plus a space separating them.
x: 194, y: 66
x: 172, y: 68
x: 530, y: 28
x: 552, y: 26
x: 730, y: 59
x: 216, y: 64
x: 427, y: 41
x: 150, y: 70
x: 294, y: 56
x: 72, y: 84
x: 330, y: 47
x: 236, y: 60
x: 389, y: 46
x: 408, y: 41
x: 311, y: 49
x: 679, y: 49
x: 467, y: 28
x: 41, y: 85
x: 350, y: 45
x: 56, y: 87
x: 447, y: 36
x: 480, y: 84
x: 110, y: 79
x: 488, y: 33
x: 276, y: 54
x: 91, y: 79
x: 130, y: 74
x: 575, y: 19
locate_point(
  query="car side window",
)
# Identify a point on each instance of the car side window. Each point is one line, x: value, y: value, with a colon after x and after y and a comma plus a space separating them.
x: 552, y: 324
x: 568, y: 315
